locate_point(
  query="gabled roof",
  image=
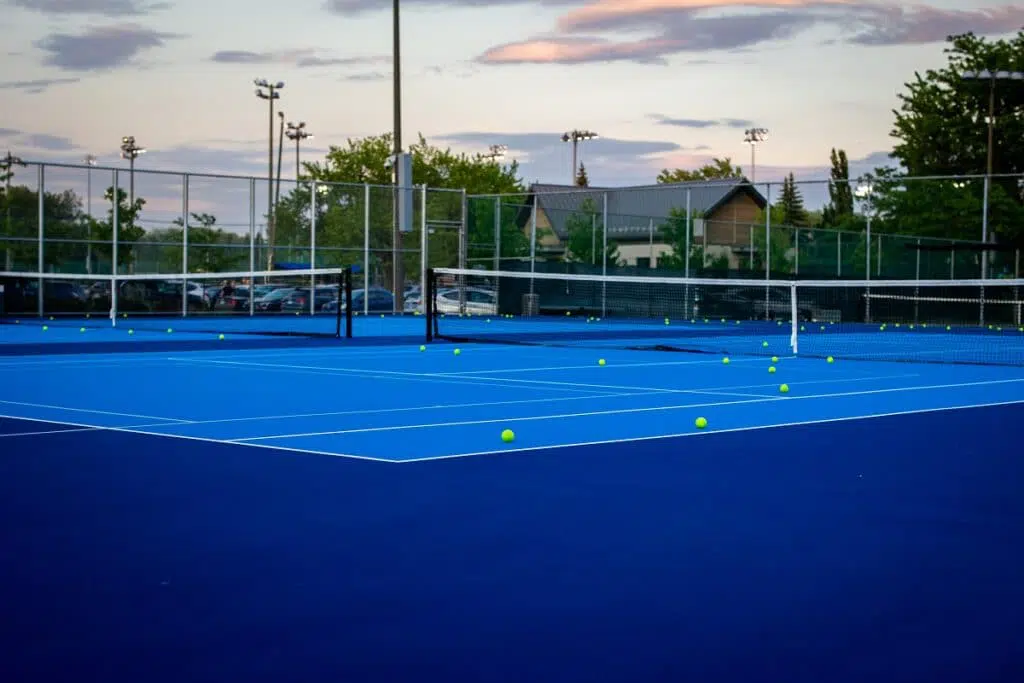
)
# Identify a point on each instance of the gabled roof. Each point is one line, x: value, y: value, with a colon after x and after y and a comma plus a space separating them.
x: 632, y: 210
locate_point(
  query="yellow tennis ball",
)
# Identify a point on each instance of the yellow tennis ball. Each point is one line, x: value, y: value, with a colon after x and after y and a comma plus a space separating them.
x: 701, y: 422
x: 508, y: 436
x: 764, y: 344
x: 775, y: 359
x: 45, y: 328
x: 567, y: 313
x: 81, y: 329
x: 784, y: 389
x: 221, y: 337
x: 601, y: 362
x: 169, y: 330
x: 771, y: 369
x: 666, y: 321
x: 458, y: 352
x: 131, y: 331
x: 948, y: 328
x: 423, y: 348
x: 830, y: 359
x: 725, y: 361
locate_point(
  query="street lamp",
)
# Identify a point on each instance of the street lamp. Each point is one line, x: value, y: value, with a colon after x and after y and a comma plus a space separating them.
x: 298, y: 133
x: 130, y: 151
x: 265, y: 90
x: 991, y: 77
x: 575, y: 137
x: 754, y: 137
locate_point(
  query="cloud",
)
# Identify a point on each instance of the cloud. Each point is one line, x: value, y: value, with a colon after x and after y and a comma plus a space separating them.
x: 100, y: 48
x: 36, y: 86
x: 367, y: 76
x: 303, y: 58
x: 106, y: 8
x: 650, y: 31
x: 53, y: 143
x: 9, y: 132
x: 701, y: 123
x: 354, y: 7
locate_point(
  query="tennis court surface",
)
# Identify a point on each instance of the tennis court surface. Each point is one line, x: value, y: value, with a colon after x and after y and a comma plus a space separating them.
x: 290, y: 504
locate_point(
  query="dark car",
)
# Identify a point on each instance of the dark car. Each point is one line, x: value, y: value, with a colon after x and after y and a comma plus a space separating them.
x: 299, y: 298
x: 380, y: 301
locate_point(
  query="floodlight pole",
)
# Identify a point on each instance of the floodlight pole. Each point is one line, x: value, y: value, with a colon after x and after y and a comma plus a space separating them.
x: 398, y: 277
x: 753, y: 137
x: 265, y: 90
x: 131, y: 152
x: 298, y: 133
x: 576, y: 136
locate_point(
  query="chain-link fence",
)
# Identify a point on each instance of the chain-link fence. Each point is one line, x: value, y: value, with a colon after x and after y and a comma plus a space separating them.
x: 881, y: 228
x: 72, y: 219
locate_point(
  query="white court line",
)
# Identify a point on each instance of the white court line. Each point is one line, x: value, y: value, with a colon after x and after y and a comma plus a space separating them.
x: 624, y: 411
x: 431, y: 378
x: 87, y: 410
x: 592, y: 366
x: 731, y: 430
x: 553, y: 399
x: 131, y: 430
x: 52, y: 431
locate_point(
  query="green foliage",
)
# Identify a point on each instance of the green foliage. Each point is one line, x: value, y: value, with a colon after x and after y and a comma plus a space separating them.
x: 585, y: 241
x: 341, y: 206
x: 940, y: 131
x: 790, y: 205
x: 673, y: 232
x: 839, y: 209
x: 716, y: 170
x: 582, y: 180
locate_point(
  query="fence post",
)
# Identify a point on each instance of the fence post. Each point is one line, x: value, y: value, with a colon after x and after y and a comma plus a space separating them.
x: 497, y: 233
x: 41, y: 199
x: 424, y: 247
x: 366, y: 249
x: 768, y: 251
x: 114, y: 230
x: 313, y: 190
x: 839, y: 253
x: 252, y: 240
x: 184, y: 244
x: 686, y: 256
x: 533, y: 239
x: 604, y: 253
x: 463, y: 248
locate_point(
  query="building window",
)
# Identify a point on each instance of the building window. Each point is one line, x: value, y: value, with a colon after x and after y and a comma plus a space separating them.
x: 644, y: 262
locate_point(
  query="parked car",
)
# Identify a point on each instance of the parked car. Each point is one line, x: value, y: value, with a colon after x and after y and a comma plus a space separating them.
x: 298, y: 299
x: 274, y: 299
x: 379, y: 300
x: 477, y: 301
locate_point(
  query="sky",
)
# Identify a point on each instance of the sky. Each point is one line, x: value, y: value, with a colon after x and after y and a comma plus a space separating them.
x: 665, y: 83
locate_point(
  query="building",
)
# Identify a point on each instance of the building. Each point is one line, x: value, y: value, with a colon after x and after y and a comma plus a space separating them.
x: 725, y: 216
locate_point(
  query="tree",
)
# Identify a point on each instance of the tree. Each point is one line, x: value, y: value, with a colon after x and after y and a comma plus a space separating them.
x: 791, y: 204
x: 582, y: 180
x: 839, y: 210
x: 585, y: 240
x: 940, y: 132
x: 341, y: 206
x: 718, y: 169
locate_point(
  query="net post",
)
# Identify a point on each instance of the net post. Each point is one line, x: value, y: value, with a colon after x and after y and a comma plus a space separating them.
x: 346, y: 284
x: 794, y: 325
x: 428, y: 304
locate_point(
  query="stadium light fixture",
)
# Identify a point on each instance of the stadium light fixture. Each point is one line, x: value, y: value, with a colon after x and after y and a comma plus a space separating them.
x: 131, y: 152
x: 576, y: 136
x: 754, y: 137
x: 298, y: 133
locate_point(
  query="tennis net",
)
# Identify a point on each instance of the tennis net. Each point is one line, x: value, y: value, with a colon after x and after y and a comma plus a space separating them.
x: 955, y: 321
x: 297, y: 303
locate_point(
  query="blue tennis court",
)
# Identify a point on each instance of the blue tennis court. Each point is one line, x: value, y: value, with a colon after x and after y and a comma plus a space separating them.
x: 183, y: 507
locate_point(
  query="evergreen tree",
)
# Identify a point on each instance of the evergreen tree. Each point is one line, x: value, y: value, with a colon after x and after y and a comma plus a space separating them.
x: 582, y: 180
x: 839, y: 210
x: 791, y: 204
